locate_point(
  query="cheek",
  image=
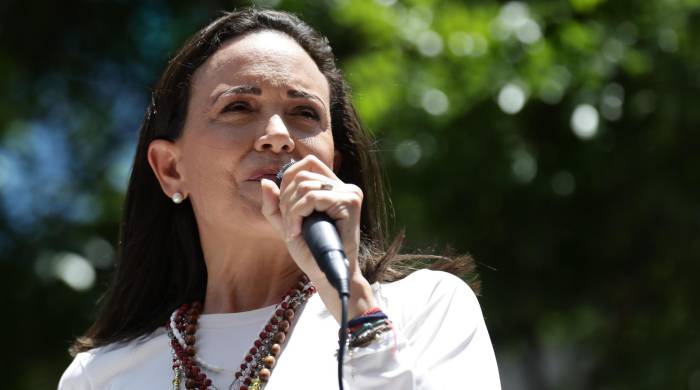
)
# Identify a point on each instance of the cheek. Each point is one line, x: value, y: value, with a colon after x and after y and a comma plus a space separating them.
x: 209, y: 165
x: 225, y: 138
x: 211, y: 183
x: 321, y: 146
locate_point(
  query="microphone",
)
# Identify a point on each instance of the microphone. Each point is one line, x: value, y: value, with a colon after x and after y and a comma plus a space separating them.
x: 322, y: 238
x: 321, y: 235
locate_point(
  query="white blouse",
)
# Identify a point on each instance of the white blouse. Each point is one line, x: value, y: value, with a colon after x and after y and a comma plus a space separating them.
x: 440, y: 342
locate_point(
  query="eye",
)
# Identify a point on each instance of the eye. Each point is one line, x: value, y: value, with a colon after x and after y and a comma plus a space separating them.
x: 307, y: 112
x: 236, y: 106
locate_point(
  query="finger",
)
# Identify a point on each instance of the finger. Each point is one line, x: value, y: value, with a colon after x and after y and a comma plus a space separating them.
x: 270, y: 203
x: 315, y: 180
x: 309, y: 163
x: 338, y: 206
x: 296, y: 191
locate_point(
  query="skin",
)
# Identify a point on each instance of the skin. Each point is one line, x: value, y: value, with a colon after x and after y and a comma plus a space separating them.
x: 258, y: 102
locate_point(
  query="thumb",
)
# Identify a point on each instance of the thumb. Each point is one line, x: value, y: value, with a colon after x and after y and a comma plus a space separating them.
x: 270, y: 203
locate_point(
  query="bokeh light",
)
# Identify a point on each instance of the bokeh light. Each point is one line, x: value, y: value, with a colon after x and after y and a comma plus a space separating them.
x: 524, y: 166
x: 408, y: 153
x: 429, y: 43
x: 584, y: 121
x: 435, y: 102
x: 511, y: 98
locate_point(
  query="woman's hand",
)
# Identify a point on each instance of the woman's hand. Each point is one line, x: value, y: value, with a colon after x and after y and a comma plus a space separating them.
x: 307, y: 186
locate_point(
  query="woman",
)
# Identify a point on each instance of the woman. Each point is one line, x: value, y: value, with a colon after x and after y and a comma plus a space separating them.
x: 215, y: 288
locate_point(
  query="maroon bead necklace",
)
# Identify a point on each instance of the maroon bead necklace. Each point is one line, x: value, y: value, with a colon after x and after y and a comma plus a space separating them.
x: 256, y: 368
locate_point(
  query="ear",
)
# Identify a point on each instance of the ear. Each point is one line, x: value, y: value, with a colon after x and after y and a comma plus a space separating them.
x: 164, y: 157
x: 337, y: 160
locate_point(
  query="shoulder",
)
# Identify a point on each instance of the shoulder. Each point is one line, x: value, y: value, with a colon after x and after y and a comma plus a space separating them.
x: 75, y: 376
x: 428, y: 293
x: 425, y: 285
x: 96, y: 368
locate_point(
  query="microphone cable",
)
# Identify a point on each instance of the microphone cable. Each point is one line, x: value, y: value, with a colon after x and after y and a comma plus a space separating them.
x: 342, y: 337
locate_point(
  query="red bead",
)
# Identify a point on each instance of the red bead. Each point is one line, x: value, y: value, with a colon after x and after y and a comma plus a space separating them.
x: 258, y: 343
x: 274, y: 321
x: 279, y: 312
x: 248, y: 358
x: 285, y: 305
x: 247, y: 381
x: 268, y: 328
x: 253, y: 351
x: 207, y: 382
x: 263, y: 335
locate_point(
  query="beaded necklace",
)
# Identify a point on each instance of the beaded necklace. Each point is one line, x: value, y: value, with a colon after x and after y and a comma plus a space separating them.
x: 256, y: 367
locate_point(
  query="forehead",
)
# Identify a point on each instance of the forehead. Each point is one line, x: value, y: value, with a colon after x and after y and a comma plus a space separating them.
x: 269, y: 59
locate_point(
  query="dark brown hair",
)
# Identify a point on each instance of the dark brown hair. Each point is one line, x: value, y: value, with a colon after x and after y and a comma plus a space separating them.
x: 160, y: 263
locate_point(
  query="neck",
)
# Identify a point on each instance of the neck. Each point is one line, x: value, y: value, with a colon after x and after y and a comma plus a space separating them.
x: 246, y: 274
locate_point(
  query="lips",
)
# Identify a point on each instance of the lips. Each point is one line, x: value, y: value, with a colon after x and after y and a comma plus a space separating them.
x: 265, y: 173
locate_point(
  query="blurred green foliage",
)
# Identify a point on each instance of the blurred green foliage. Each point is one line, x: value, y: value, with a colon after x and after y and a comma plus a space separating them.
x: 556, y: 141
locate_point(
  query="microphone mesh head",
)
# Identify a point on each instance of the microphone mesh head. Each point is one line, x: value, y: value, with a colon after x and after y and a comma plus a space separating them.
x: 280, y: 173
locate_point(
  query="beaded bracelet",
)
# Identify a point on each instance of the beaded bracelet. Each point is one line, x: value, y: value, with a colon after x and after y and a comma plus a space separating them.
x: 368, y: 333
x: 367, y: 327
x: 371, y: 315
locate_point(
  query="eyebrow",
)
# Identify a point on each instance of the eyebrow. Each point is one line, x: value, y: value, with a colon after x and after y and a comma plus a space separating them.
x: 253, y: 90
x: 296, y: 94
x: 239, y: 90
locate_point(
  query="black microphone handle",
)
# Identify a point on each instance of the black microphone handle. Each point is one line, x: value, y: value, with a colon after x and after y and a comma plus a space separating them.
x: 322, y: 238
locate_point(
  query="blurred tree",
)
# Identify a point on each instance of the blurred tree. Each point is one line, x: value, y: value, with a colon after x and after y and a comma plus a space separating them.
x: 556, y: 141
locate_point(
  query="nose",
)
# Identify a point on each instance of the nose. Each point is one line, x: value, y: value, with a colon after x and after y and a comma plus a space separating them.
x: 275, y: 137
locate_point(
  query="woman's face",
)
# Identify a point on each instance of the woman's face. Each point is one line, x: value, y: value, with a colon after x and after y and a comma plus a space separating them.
x: 258, y: 102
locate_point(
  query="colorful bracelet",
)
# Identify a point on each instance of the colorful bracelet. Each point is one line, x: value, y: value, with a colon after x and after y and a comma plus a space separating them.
x: 367, y: 327
x: 371, y: 315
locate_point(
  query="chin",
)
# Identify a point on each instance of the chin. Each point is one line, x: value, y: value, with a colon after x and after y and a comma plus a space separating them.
x: 251, y: 220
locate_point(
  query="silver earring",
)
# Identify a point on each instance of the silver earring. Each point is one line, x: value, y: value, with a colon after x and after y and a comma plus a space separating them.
x: 177, y: 198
